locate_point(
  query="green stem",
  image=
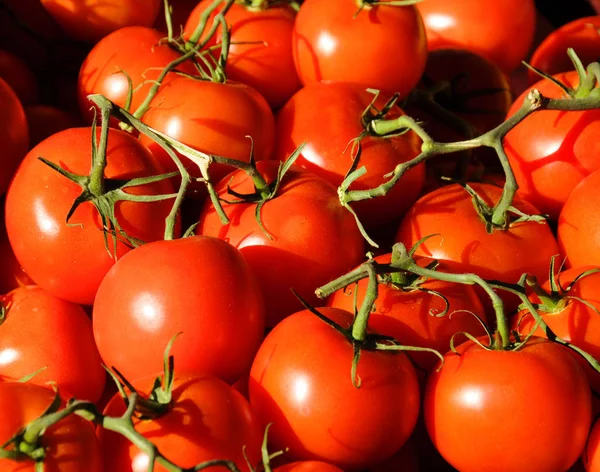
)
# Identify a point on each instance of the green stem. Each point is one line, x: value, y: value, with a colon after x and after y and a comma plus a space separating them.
x: 168, y: 21
x: 194, y: 38
x: 96, y: 183
x: 361, y: 321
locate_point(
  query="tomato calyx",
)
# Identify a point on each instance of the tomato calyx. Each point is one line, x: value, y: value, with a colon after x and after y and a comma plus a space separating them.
x: 368, y: 4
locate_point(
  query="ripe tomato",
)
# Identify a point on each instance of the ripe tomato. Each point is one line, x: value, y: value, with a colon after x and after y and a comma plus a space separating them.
x: 46, y: 120
x: 18, y: 75
x: 64, y: 343
x: 214, y: 118
x: 462, y: 238
x: 135, y: 50
x: 416, y: 313
x: 340, y: 107
x: 308, y: 466
x: 71, y: 444
x: 552, y: 151
x: 316, y: 411
x: 510, y: 410
x: 578, y: 224
x: 591, y: 455
x: 502, y: 30
x: 70, y: 260
x: 312, y: 239
x: 551, y: 55
x: 382, y: 47
x: 91, y: 20
x: 14, y: 134
x: 207, y: 420
x: 261, y: 47
x: 204, y: 289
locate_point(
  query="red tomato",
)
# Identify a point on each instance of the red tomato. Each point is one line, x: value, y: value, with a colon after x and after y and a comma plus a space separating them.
x: 64, y: 343
x: 91, y: 20
x: 214, y: 118
x: 204, y: 289
x: 135, y: 50
x: 46, y: 120
x: 501, y: 30
x: 382, y: 47
x: 308, y: 466
x: 18, y: 75
x: 414, y: 313
x: 265, y: 62
x: 312, y: 239
x: 502, y: 255
x: 591, y: 455
x: 207, y: 420
x: 71, y: 444
x: 327, y: 116
x: 552, y: 151
x: 70, y: 261
x: 579, y: 224
x: 510, y: 410
x: 300, y: 381
x: 14, y: 134
x: 551, y: 55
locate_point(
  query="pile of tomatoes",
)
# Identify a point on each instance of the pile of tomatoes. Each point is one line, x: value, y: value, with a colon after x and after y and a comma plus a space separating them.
x: 328, y: 235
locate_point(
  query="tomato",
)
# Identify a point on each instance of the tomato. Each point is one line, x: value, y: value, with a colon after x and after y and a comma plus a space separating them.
x: 578, y: 224
x: 12, y: 274
x: 206, y: 420
x: 591, y: 455
x: 135, y: 50
x: 14, y: 134
x: 18, y: 75
x: 204, y: 289
x: 91, y: 20
x: 462, y: 238
x: 300, y: 381
x: 261, y: 47
x: 70, y: 260
x: 551, y: 54
x: 64, y: 343
x: 382, y: 47
x: 46, y: 120
x: 501, y: 31
x: 510, y: 410
x: 327, y: 117
x: 550, y: 152
x: 214, y: 118
x: 308, y: 466
x: 416, y: 313
x: 311, y: 238
x: 71, y: 444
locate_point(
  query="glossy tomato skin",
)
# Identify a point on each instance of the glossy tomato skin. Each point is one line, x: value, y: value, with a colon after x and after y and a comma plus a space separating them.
x: 462, y: 238
x: 327, y: 117
x: 552, y: 151
x: 214, y: 118
x: 204, y: 289
x: 551, y: 54
x: 308, y: 466
x: 417, y: 315
x: 134, y: 50
x: 265, y: 62
x: 70, y: 261
x: 71, y: 444
x: 488, y: 407
x: 40, y: 330
x: 502, y: 31
x: 579, y: 225
x: 91, y: 20
x: 382, y: 47
x: 14, y: 134
x: 19, y: 76
x: 312, y: 239
x: 352, y: 428
x: 207, y: 420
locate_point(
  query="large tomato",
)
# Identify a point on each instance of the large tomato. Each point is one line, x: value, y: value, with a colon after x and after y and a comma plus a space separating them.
x: 39, y: 330
x: 70, y: 260
x: 552, y: 151
x: 501, y: 30
x: 327, y: 117
x: 382, y: 47
x: 71, y: 444
x: 509, y: 411
x: 261, y: 47
x: 206, y: 420
x: 204, y: 289
x: 300, y: 381
x: 308, y: 238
